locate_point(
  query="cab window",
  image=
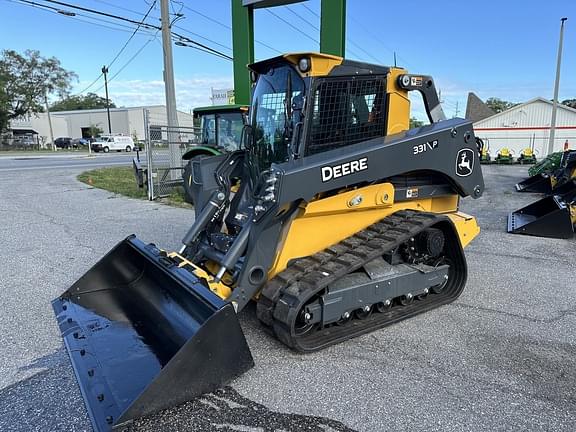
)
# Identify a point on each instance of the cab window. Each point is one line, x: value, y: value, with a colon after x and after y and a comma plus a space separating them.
x: 209, y: 129
x: 229, y: 130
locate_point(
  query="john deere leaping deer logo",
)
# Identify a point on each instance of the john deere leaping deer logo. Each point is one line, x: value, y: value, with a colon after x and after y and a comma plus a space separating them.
x: 464, y: 162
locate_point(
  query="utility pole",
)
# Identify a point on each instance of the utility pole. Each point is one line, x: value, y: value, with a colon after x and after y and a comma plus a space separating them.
x: 172, y: 116
x: 49, y: 122
x: 556, y: 86
x: 105, y: 72
x: 457, y: 111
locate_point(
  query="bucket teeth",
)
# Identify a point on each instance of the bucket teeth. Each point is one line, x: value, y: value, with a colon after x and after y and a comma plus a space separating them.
x: 144, y: 334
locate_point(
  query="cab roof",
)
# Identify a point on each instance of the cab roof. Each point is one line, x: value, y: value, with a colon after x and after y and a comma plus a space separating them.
x: 215, y: 109
x: 322, y: 65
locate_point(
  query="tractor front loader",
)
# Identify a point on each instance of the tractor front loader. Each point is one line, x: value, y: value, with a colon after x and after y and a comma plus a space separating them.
x: 334, y: 217
x: 547, y: 181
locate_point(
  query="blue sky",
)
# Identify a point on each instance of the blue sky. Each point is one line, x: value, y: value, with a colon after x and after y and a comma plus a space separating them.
x: 498, y: 48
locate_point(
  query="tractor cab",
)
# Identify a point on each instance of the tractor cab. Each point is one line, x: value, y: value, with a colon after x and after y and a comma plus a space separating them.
x: 220, y: 130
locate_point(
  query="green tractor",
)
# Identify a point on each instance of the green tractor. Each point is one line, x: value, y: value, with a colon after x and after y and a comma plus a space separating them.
x: 220, y: 130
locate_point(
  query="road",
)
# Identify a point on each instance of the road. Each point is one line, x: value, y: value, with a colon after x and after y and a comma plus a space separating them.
x: 27, y: 162
x: 500, y: 358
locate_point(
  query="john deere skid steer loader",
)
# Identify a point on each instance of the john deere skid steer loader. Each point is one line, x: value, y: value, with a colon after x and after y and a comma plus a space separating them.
x: 344, y: 221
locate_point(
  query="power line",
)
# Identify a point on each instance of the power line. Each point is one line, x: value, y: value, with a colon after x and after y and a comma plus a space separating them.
x: 220, y: 23
x: 207, y: 17
x: 90, y: 85
x: 171, y: 4
x: 128, y: 62
x: 201, y: 47
x: 122, y: 7
x: 97, y: 12
x: 146, y: 25
x: 377, y: 39
x: 57, y: 11
x: 315, y: 27
x: 303, y: 19
x: 310, y: 10
x: 364, y: 51
x: 197, y: 45
x: 132, y: 35
x: 351, y: 42
x: 76, y: 16
x: 202, y: 37
x: 318, y: 30
x: 117, y: 26
x: 292, y: 25
x: 122, y: 49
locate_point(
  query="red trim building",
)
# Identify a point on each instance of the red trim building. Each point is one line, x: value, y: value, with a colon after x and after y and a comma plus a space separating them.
x: 528, y: 125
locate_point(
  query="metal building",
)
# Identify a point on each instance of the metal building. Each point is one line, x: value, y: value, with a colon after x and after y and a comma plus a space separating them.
x: 126, y: 121
x: 528, y: 125
x: 80, y: 123
x: 37, y: 127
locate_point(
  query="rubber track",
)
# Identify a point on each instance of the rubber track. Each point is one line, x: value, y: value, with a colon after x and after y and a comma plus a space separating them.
x: 283, y: 296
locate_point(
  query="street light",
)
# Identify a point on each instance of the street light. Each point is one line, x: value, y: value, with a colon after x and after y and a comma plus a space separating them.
x: 556, y: 86
x: 105, y: 72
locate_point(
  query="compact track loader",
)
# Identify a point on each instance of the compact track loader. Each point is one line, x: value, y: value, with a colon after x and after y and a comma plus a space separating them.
x: 334, y: 217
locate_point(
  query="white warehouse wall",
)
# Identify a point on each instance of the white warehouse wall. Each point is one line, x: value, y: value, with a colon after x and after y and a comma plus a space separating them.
x: 86, y: 118
x: 158, y: 117
x: 39, y: 123
x: 126, y: 121
x: 519, y: 127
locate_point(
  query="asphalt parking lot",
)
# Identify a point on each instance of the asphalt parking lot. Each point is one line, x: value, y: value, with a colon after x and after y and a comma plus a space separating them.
x: 502, y: 357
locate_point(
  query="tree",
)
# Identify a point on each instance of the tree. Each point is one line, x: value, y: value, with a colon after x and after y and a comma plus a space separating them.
x: 79, y: 102
x: 95, y: 130
x: 570, y: 103
x: 499, y: 105
x: 26, y: 81
x: 415, y: 123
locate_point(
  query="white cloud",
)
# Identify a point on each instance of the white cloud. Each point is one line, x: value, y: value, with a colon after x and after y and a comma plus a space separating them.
x: 190, y: 92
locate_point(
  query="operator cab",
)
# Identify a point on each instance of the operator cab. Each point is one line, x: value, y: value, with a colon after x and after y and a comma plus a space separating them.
x: 221, y: 126
x: 310, y: 98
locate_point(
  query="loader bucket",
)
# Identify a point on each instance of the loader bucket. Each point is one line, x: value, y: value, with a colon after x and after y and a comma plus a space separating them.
x: 539, y: 183
x: 548, y: 217
x: 566, y: 190
x: 144, y: 335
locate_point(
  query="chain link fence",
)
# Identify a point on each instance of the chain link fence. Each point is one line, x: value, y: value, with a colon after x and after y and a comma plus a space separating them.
x: 164, y: 148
